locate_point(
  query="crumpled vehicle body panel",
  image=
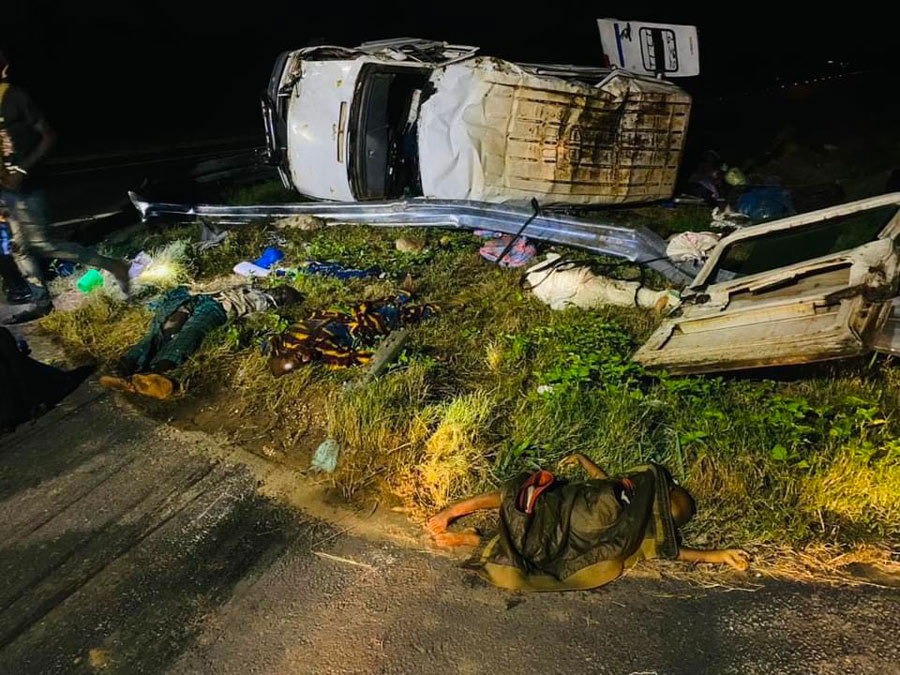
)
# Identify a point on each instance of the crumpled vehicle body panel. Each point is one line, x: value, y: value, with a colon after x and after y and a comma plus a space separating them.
x: 820, y: 307
x: 495, y: 132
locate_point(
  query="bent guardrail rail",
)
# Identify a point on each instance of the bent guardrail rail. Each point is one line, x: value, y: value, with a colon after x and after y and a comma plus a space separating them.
x: 635, y: 244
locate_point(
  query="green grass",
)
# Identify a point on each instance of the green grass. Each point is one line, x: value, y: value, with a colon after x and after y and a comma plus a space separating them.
x: 498, y: 383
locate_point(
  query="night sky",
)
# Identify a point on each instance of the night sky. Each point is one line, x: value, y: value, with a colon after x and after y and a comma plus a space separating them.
x: 113, y: 75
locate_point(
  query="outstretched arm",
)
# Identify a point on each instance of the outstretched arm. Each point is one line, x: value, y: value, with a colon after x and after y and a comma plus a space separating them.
x: 734, y: 557
x: 590, y: 468
x: 437, y: 524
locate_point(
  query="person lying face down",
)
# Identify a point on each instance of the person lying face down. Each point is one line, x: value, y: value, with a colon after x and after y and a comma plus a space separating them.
x: 339, y: 339
x: 556, y: 535
x: 181, y: 322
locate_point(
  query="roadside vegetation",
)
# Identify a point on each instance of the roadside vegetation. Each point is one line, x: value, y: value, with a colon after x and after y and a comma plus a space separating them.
x: 800, y: 466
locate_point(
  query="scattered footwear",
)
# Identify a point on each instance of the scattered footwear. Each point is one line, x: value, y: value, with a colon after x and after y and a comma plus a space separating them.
x: 117, y: 383
x: 146, y: 384
x: 153, y: 385
x: 19, y: 296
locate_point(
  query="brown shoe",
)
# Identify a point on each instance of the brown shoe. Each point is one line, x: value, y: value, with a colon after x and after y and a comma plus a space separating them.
x: 117, y: 383
x: 153, y: 385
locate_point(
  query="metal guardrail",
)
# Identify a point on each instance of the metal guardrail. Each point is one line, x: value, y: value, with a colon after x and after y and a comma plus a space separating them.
x: 635, y: 244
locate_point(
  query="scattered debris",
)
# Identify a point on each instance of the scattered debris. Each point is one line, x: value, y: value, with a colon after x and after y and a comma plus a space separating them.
x: 410, y: 244
x: 691, y: 247
x: 63, y: 268
x: 249, y: 269
x: 210, y: 237
x: 762, y: 204
x: 140, y: 262
x: 338, y: 271
x: 269, y: 257
x: 725, y: 216
x: 89, y: 281
x: 519, y: 254
x: 387, y: 351
x: 325, y: 458
x: 569, y: 284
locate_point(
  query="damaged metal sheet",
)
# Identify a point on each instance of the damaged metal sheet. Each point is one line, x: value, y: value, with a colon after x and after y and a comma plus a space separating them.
x: 813, y: 287
x: 493, y: 131
x: 638, y: 244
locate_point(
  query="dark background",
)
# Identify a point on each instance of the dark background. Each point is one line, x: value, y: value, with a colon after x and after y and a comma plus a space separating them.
x: 118, y: 75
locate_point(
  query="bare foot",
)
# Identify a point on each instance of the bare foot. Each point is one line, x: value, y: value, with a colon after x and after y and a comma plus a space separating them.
x: 437, y: 524
x: 736, y: 558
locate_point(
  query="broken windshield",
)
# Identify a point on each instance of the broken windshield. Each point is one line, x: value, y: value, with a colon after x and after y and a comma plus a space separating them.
x: 384, y: 145
x: 794, y: 245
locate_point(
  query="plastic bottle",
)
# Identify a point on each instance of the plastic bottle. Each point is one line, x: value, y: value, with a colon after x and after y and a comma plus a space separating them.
x: 89, y: 281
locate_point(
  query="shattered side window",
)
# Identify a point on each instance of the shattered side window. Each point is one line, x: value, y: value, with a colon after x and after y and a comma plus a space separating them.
x: 791, y: 246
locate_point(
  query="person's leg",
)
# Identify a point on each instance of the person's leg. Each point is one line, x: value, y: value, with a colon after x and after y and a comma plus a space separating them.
x: 189, y: 326
x: 21, y: 225
x: 28, y: 220
x: 206, y: 316
x: 17, y: 289
x: 129, y: 363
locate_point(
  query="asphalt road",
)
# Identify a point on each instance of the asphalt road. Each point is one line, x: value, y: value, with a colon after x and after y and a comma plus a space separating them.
x: 129, y: 547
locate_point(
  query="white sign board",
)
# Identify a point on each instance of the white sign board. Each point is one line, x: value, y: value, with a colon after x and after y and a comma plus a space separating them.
x: 647, y: 48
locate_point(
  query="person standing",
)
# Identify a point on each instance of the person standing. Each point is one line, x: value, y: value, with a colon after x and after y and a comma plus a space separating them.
x: 26, y: 139
x: 17, y: 289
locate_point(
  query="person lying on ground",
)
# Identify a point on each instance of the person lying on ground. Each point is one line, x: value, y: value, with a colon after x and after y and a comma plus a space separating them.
x: 28, y: 387
x: 560, y: 535
x: 181, y: 322
x: 339, y: 339
x: 26, y: 140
